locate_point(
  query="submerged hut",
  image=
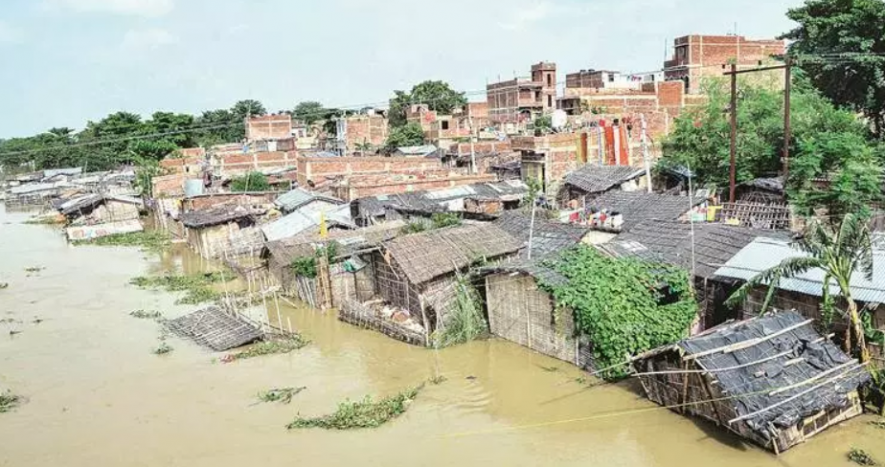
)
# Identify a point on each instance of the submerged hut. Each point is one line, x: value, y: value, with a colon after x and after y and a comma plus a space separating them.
x: 213, y: 232
x: 418, y: 273
x: 773, y: 380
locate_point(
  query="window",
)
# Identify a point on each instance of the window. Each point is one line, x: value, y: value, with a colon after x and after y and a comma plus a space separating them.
x: 549, y: 80
x: 549, y: 101
x: 445, y: 124
x: 611, y: 77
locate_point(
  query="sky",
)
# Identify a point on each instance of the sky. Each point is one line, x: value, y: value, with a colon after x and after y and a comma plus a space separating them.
x: 65, y: 62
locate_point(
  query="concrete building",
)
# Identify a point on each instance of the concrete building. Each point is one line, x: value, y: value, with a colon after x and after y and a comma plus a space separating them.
x: 607, y: 79
x: 547, y: 159
x: 697, y: 57
x: 517, y: 100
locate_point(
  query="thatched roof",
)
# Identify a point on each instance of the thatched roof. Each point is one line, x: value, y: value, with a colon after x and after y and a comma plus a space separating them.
x: 638, y: 206
x: 215, y: 328
x: 599, y: 178
x: 217, y: 215
x: 350, y: 241
x: 547, y: 236
x: 819, y: 375
x: 428, y: 255
x: 671, y: 242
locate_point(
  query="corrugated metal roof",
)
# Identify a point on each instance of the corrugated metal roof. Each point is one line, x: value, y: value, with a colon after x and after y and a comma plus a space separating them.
x: 298, y: 197
x: 764, y: 253
x: 36, y: 188
x: 299, y: 221
x: 48, y: 173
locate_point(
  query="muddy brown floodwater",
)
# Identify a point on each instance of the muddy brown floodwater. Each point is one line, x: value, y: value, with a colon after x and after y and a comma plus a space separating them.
x: 97, y: 396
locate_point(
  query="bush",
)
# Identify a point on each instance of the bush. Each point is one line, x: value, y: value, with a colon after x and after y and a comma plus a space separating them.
x: 362, y: 414
x: 253, y: 181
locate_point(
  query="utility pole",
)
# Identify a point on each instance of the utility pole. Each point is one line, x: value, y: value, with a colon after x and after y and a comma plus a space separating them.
x: 644, y: 141
x: 787, y: 67
x: 472, y: 146
x: 788, y: 131
x: 733, y: 147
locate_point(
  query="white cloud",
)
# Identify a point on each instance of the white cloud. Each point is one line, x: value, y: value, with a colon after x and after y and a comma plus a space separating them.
x: 122, y: 7
x: 9, y: 34
x: 527, y: 16
x: 147, y: 39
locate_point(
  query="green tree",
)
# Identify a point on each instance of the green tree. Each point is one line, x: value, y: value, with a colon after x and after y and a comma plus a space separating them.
x: 218, y: 127
x: 408, y: 135
x: 252, y: 181
x: 828, y: 142
x: 543, y: 125
x: 841, y: 46
x: 248, y: 108
x: 437, y: 95
x: 839, y: 253
x: 310, y: 112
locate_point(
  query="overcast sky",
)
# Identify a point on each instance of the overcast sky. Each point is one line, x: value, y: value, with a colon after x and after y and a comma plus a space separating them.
x: 63, y: 62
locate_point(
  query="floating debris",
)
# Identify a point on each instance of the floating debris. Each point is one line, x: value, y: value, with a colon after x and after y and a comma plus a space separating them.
x: 215, y: 328
x: 34, y: 269
x: 197, y: 286
x: 142, y: 314
x: 362, y: 414
x: 163, y: 349
x: 860, y: 457
x: 13, y: 332
x: 9, y: 401
x: 151, y: 241
x: 880, y: 424
x: 281, y: 395
x: 437, y: 380
x: 37, y: 320
x: 4, y: 285
x: 270, y: 347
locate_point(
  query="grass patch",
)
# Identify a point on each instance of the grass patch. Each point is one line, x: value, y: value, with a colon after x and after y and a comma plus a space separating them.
x: 281, y: 395
x: 4, y: 285
x: 163, y: 349
x: 363, y: 414
x: 9, y: 401
x: 860, y: 457
x: 46, y: 220
x: 142, y: 314
x: 437, y: 380
x: 153, y: 240
x: 465, y: 322
x: 270, y: 347
x: 197, y: 287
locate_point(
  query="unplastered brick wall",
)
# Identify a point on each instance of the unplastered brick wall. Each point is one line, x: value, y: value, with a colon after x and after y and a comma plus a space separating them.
x: 242, y: 163
x: 319, y: 169
x: 480, y: 147
x: 375, y: 186
x: 168, y: 186
x: 366, y: 129
x: 239, y: 199
x: 269, y: 127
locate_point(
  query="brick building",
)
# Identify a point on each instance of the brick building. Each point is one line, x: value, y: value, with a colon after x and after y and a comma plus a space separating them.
x: 269, y: 127
x: 697, y: 57
x: 518, y: 100
x: 362, y: 186
x: 356, y: 132
x: 548, y: 159
x: 318, y: 170
x: 231, y: 164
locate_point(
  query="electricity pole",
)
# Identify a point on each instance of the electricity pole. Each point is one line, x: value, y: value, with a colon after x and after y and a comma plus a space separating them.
x: 787, y: 66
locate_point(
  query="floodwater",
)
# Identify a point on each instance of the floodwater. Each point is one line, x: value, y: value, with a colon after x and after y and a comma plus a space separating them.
x: 97, y: 396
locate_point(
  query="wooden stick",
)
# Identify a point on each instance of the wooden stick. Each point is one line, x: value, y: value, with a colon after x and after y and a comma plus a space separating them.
x: 747, y: 344
x: 813, y: 379
x: 766, y: 409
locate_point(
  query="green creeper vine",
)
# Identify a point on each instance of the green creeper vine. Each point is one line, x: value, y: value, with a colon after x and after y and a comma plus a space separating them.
x: 306, y: 266
x: 624, y: 306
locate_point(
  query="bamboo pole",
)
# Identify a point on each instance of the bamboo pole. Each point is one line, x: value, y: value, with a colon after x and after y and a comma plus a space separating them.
x: 748, y: 343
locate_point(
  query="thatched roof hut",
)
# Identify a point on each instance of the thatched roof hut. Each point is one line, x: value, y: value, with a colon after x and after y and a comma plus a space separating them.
x: 773, y: 379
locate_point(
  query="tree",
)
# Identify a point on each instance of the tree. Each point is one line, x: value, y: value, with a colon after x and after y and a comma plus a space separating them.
x: 218, y: 126
x: 409, y: 135
x: 839, y: 253
x: 437, y: 95
x: 310, y: 112
x: 252, y: 181
x: 828, y: 143
x: 543, y: 125
x: 840, y: 45
x: 248, y: 108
